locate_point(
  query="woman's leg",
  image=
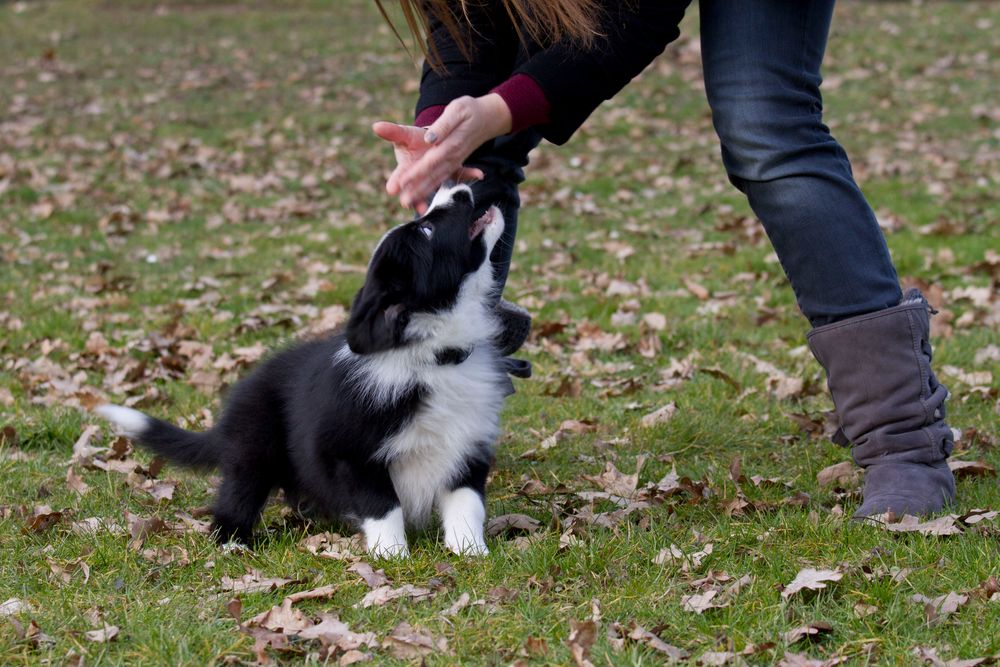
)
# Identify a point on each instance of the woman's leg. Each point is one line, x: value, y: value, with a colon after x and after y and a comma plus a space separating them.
x: 762, y: 74
x: 503, y: 163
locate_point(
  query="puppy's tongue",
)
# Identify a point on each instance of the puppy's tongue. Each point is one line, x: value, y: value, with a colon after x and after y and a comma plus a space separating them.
x: 479, y: 224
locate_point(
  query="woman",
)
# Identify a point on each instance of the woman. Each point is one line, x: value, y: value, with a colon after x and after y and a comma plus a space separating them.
x: 503, y: 78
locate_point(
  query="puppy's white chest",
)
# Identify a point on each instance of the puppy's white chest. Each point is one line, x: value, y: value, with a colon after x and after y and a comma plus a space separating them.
x: 460, y: 414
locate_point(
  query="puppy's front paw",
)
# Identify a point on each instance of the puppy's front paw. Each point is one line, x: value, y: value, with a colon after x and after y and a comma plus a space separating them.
x: 386, y: 537
x: 387, y: 551
x: 466, y: 545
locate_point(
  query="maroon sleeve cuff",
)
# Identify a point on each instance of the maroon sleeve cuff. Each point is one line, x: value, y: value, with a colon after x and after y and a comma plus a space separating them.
x: 526, y: 101
x: 427, y: 116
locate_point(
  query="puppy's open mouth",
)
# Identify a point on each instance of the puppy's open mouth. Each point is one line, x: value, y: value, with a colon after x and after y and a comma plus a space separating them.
x: 480, y: 223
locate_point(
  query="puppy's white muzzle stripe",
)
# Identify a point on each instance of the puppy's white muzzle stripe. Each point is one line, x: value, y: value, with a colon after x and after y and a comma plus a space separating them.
x: 446, y: 195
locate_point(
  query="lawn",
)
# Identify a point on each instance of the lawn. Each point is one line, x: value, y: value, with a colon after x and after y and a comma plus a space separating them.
x: 184, y: 186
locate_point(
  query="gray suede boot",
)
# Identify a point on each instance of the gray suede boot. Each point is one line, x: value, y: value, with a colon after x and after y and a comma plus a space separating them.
x: 890, y: 405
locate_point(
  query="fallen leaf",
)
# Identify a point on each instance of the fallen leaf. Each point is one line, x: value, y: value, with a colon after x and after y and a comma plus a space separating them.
x: 83, y: 451
x: 615, y: 482
x: 406, y: 642
x: 331, y: 631
x: 253, y: 582
x: 282, y: 618
x: 13, y: 606
x: 333, y: 545
x: 511, y: 524
x: 810, y: 630
x: 944, y: 525
x: 799, y: 660
x: 845, y: 473
x: 105, y: 634
x: 971, y: 468
x: 385, y: 594
x: 700, y: 602
x: 659, y: 416
x: 374, y: 578
x: 166, y: 556
x: 42, y: 519
x: 637, y: 633
x: 75, y: 482
x: 581, y: 637
x: 940, y: 607
x: 812, y: 579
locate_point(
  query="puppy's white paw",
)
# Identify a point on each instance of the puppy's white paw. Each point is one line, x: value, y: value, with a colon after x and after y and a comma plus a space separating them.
x: 466, y: 545
x: 386, y: 537
x: 388, y: 551
x: 462, y: 516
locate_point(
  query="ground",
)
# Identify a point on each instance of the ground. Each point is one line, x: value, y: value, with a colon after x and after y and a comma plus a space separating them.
x: 185, y: 186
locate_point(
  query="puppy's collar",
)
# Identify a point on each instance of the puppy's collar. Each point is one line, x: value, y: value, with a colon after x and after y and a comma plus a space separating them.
x: 452, y: 356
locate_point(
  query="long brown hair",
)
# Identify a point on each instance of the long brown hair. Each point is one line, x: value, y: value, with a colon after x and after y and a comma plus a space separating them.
x: 539, y: 20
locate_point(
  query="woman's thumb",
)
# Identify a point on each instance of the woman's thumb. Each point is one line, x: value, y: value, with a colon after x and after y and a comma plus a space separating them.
x: 457, y: 112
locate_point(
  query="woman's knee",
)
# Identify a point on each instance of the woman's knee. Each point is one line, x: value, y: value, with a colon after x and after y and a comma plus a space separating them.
x: 762, y: 141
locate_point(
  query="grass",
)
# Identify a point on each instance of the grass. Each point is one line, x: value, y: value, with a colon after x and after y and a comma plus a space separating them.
x: 232, y: 144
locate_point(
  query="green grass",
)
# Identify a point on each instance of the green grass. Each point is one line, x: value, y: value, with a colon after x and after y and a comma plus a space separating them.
x: 233, y: 143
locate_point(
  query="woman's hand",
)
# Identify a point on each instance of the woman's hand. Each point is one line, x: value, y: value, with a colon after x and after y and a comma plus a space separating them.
x: 427, y: 158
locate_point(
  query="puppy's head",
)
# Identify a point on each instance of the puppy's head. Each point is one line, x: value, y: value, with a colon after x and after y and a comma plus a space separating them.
x: 422, y: 267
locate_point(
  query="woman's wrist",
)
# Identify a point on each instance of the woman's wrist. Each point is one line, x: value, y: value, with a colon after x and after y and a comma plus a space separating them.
x: 498, y: 117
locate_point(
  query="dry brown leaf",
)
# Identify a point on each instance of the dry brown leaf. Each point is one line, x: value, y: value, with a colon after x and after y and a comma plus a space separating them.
x: 13, y: 606
x: 798, y: 660
x: 512, y: 524
x: 83, y: 451
x: 105, y: 634
x: 811, y: 579
x: 862, y: 610
x: 940, y: 607
x: 374, y: 578
x: 166, y: 556
x: 930, y: 656
x: 689, y: 562
x: 944, y: 525
x: 698, y: 290
x: 331, y: 631
x: 42, y: 519
x: 75, y: 482
x: 810, y: 630
x: 333, y: 545
x: 282, y: 618
x: 659, y: 416
x: 615, y: 482
x: 140, y: 528
x: 971, y: 468
x: 700, y: 602
x: 253, y: 582
x: 406, y: 642
x: 845, y: 473
x: 581, y: 637
x: 385, y: 594
x: 637, y: 633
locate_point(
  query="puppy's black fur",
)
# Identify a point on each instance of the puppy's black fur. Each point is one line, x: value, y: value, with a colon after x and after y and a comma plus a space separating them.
x: 332, y: 422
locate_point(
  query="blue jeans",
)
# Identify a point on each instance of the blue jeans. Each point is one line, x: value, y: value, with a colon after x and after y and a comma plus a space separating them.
x: 762, y: 74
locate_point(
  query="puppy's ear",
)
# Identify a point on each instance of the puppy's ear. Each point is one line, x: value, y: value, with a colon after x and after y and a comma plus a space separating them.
x: 375, y: 325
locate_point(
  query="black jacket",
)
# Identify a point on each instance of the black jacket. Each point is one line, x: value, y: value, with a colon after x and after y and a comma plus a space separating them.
x: 575, y: 81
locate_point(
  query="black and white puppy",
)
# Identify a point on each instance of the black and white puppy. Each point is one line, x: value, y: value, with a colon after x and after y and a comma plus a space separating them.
x: 383, y: 422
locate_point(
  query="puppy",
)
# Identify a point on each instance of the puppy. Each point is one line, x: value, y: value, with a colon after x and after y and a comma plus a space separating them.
x: 383, y: 422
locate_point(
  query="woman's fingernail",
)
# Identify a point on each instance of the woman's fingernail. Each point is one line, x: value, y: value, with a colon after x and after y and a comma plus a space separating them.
x: 430, y: 136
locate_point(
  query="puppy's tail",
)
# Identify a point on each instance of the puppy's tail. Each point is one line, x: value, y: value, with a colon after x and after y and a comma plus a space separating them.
x: 169, y: 441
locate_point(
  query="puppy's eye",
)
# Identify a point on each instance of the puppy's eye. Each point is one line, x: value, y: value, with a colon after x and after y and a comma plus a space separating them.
x: 427, y: 229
